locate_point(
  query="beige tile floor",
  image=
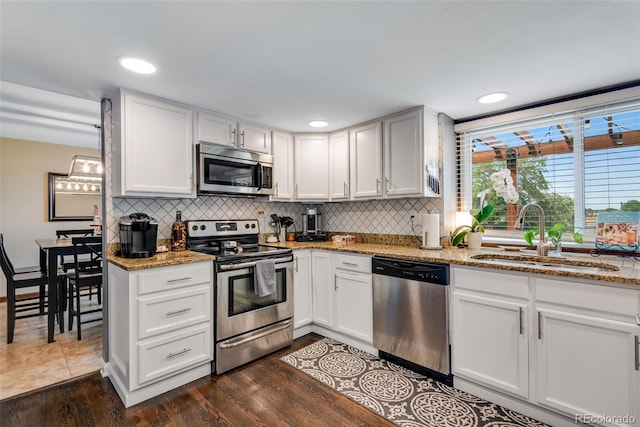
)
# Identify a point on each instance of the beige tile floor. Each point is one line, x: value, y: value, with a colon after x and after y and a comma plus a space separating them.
x: 30, y: 363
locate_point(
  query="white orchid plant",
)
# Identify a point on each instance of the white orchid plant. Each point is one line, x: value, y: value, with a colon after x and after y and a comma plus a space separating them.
x: 502, y: 184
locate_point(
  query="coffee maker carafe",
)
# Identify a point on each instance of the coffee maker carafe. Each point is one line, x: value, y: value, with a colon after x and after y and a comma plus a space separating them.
x: 311, y: 222
x: 311, y: 228
x: 138, y: 236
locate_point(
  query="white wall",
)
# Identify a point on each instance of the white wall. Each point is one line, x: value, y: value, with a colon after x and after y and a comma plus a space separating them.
x: 24, y: 196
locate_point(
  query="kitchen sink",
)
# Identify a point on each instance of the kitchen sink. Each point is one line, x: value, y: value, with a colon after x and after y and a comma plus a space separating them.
x: 547, y: 262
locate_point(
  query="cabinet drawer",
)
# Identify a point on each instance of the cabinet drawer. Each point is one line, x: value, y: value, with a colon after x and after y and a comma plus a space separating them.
x: 352, y: 262
x: 168, y: 311
x: 174, y: 277
x: 588, y: 296
x: 507, y: 284
x: 158, y: 358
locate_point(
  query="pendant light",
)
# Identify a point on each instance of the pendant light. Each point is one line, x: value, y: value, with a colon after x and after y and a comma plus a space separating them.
x: 87, y: 167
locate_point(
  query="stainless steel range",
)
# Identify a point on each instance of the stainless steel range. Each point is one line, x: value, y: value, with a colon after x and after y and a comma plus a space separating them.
x: 253, y: 290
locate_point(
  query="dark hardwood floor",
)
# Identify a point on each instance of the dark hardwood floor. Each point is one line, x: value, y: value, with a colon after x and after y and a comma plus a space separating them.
x: 266, y: 392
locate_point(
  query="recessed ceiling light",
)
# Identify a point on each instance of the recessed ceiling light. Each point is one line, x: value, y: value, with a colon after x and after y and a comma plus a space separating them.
x: 137, y: 65
x: 490, y: 98
x: 318, y: 123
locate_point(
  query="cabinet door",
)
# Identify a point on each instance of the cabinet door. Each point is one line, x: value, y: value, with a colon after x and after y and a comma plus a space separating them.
x: 282, y: 166
x: 216, y: 129
x: 365, y: 146
x: 403, y: 157
x: 302, y: 308
x: 587, y: 365
x: 157, y: 151
x: 323, y: 289
x: 254, y: 138
x: 354, y: 305
x: 339, y: 165
x: 489, y: 342
x: 312, y: 167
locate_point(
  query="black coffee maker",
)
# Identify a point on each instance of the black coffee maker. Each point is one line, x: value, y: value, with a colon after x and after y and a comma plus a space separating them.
x: 138, y: 236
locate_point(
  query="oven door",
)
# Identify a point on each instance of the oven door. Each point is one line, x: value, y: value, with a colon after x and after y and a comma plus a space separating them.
x: 240, y: 309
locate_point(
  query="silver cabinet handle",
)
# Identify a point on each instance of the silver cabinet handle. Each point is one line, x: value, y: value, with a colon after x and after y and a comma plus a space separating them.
x: 539, y: 325
x: 296, y: 258
x: 179, y: 279
x: 346, y: 190
x: 276, y: 189
x: 637, y: 342
x: 520, y: 313
x: 378, y: 186
x: 178, y: 353
x: 242, y: 135
x: 296, y: 191
x: 350, y: 264
x: 386, y: 185
x: 182, y: 310
x: 335, y: 282
x: 233, y: 136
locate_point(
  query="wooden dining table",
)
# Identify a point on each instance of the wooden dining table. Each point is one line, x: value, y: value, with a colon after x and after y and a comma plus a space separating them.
x: 50, y: 250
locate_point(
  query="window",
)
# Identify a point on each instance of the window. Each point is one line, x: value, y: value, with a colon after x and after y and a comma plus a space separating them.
x: 574, y: 164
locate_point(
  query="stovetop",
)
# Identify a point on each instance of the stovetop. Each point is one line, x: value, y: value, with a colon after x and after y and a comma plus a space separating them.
x: 229, y: 239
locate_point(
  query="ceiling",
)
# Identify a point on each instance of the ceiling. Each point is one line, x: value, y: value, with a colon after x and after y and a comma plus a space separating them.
x: 285, y: 63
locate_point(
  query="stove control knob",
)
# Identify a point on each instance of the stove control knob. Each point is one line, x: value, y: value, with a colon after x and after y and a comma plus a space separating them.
x: 194, y: 228
x: 246, y: 226
x: 203, y: 227
x: 253, y: 226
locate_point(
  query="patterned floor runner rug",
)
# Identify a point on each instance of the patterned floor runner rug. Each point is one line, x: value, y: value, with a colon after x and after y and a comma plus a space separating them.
x: 401, y: 396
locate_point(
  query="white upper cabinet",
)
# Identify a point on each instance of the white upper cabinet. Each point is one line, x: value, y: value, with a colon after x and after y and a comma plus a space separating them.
x: 152, y: 147
x: 366, y: 161
x: 339, y: 165
x: 216, y: 129
x: 411, y: 154
x: 282, y: 166
x: 254, y: 138
x: 311, y: 167
x: 402, y: 149
x: 222, y: 130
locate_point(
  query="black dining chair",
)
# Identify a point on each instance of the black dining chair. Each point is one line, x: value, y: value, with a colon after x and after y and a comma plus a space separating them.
x: 66, y: 261
x: 86, y: 274
x: 24, y: 305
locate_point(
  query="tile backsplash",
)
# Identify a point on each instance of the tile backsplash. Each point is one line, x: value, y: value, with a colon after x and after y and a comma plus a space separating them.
x: 376, y: 216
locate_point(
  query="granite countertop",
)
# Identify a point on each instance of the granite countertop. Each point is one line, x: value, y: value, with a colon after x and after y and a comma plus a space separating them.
x: 161, y: 259
x: 629, y: 272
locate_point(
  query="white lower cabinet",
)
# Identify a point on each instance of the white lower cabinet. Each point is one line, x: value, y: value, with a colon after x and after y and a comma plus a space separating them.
x: 302, y: 299
x: 490, y: 344
x: 353, y: 296
x: 587, y: 350
x: 322, y: 288
x: 161, y: 323
x: 563, y: 346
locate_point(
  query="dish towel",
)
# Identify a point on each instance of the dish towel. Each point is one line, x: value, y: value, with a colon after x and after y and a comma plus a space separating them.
x: 265, y: 277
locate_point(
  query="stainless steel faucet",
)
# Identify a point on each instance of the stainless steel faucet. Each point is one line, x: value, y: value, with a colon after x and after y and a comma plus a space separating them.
x: 543, y: 246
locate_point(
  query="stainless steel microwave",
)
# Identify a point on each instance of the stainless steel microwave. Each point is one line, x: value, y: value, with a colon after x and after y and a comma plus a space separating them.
x: 227, y: 170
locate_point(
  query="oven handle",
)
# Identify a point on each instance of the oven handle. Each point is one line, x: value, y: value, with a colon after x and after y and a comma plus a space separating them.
x: 270, y: 330
x: 224, y: 267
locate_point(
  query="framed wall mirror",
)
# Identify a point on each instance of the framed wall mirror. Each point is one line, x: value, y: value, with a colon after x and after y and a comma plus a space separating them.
x: 73, y: 200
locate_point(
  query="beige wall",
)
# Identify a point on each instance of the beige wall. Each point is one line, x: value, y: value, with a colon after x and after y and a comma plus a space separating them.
x: 24, y: 196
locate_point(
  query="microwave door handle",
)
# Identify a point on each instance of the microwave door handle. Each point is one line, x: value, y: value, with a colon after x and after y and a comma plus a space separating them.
x: 259, y: 176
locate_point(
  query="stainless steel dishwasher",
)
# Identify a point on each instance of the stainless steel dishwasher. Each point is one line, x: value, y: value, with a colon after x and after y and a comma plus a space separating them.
x: 410, y: 320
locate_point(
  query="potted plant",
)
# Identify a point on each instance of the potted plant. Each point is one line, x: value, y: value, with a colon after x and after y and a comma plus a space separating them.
x: 502, y: 184
x: 555, y: 235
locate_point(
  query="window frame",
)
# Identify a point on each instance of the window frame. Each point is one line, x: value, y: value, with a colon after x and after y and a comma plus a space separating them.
x: 573, y: 111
